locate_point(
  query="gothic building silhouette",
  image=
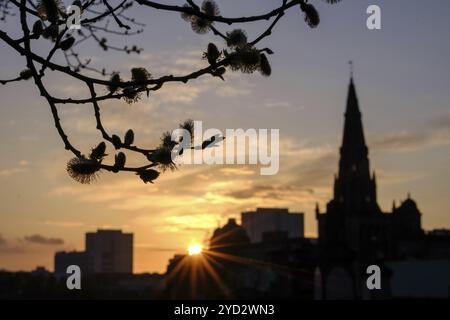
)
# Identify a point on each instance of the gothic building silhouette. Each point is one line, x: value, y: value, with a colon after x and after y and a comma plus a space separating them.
x: 353, y: 231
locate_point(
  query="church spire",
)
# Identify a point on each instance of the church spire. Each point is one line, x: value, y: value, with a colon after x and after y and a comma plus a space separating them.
x: 355, y: 188
x: 353, y: 130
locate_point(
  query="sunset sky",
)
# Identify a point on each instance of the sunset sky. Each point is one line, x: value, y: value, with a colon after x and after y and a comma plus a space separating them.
x: 402, y: 77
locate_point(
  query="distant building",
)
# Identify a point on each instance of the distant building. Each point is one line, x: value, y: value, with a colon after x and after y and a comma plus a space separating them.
x: 40, y: 271
x: 111, y: 251
x: 265, y: 220
x: 64, y: 259
x: 106, y: 251
x: 231, y: 234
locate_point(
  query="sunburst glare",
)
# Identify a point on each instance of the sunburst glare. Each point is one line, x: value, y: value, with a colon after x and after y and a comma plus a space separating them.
x: 195, y: 249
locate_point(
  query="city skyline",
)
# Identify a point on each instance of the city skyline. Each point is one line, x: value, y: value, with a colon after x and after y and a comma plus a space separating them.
x: 403, y: 98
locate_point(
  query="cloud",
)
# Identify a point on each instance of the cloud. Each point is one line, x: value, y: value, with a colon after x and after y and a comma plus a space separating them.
x: 190, y: 62
x: 10, y: 172
x: 436, y: 133
x: 39, y: 239
x: 178, y: 62
x: 315, y: 172
x: 229, y: 91
x: 238, y: 170
x: 10, y: 248
x: 279, y: 104
x: 250, y: 192
x: 179, y: 93
x: 395, y: 177
x: 23, y: 166
x: 410, y: 141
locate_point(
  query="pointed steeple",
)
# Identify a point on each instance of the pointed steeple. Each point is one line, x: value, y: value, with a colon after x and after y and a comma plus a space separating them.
x: 352, y: 99
x: 353, y: 139
x: 355, y: 188
x: 354, y: 152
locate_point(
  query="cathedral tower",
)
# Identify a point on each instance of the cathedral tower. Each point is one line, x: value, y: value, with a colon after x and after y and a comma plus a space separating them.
x: 355, y: 189
x: 353, y: 216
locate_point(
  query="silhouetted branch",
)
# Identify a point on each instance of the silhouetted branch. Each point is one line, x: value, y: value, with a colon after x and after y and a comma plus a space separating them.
x: 50, y: 24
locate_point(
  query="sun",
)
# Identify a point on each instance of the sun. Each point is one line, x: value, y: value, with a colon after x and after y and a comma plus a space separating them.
x: 194, y: 249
